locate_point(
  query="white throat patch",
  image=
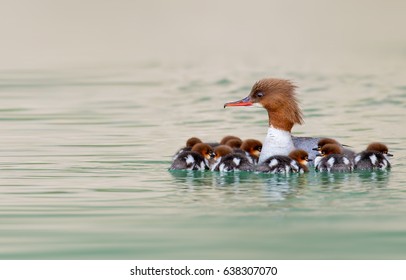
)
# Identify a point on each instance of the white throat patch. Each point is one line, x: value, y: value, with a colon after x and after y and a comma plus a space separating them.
x: 277, y: 142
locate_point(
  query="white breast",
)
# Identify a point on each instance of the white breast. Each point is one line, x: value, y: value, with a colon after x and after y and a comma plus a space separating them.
x: 277, y: 142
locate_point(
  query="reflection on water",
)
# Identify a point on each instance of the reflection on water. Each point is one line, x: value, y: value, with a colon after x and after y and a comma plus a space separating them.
x: 276, y: 187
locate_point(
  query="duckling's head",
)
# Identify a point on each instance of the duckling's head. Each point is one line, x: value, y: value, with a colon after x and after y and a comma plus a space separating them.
x: 228, y: 138
x: 330, y: 149
x: 252, y: 146
x: 301, y: 156
x: 205, y: 150
x: 192, y: 141
x: 325, y: 141
x: 221, y: 151
x: 234, y: 143
x: 379, y: 147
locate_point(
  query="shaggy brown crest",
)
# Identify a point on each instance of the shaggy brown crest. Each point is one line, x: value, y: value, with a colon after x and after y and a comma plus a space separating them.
x: 278, y: 97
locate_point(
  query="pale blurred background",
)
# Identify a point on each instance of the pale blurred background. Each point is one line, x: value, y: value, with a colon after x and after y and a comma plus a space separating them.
x: 46, y: 33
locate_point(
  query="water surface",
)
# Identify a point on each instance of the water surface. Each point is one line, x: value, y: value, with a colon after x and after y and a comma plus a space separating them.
x: 85, y: 152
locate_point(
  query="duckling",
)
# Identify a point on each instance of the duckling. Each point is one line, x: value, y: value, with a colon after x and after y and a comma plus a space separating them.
x: 302, y: 158
x: 198, y: 158
x: 332, y: 159
x: 189, y: 145
x: 234, y: 162
x: 324, y: 141
x: 227, y: 160
x: 375, y: 156
x: 220, y: 151
x: 296, y: 162
x: 251, y: 148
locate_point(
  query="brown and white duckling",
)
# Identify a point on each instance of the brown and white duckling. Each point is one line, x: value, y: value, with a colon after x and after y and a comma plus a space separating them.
x: 220, y: 151
x: 296, y: 162
x: 198, y: 158
x: 189, y: 145
x: 229, y: 160
x: 324, y: 141
x: 302, y: 158
x: 375, y: 156
x: 332, y: 159
x: 251, y: 148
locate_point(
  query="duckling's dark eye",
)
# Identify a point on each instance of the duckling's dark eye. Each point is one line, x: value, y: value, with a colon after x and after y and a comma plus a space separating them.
x: 258, y: 148
x: 385, y: 152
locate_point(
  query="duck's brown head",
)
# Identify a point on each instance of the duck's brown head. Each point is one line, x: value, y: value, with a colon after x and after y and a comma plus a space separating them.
x: 278, y: 97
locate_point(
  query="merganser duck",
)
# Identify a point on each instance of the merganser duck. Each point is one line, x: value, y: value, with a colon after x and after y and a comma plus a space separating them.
x: 189, y: 145
x: 278, y: 97
x: 331, y: 159
x: 251, y: 148
x: 374, y: 157
x: 296, y: 162
x: 324, y: 141
x: 199, y: 158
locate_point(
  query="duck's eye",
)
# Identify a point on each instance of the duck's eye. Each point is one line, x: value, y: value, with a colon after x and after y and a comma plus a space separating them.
x: 385, y: 152
x: 306, y: 158
x: 258, y: 148
x: 258, y: 94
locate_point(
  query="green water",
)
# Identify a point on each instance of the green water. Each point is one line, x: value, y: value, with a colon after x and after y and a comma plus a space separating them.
x: 97, y: 97
x: 85, y: 152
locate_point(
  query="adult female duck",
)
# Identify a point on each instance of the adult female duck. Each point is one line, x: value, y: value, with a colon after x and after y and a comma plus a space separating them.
x: 278, y: 97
